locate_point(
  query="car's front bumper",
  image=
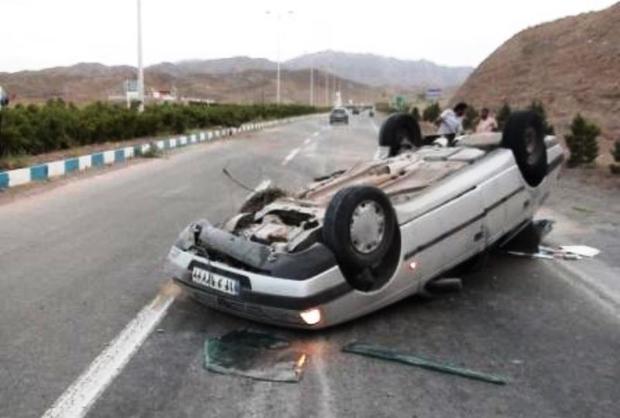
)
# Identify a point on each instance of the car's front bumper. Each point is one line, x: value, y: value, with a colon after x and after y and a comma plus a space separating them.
x: 261, y: 297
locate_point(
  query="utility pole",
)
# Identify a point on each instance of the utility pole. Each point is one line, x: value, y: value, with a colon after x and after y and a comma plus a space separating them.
x: 278, y: 16
x: 326, y: 88
x: 312, y: 84
x: 140, y: 67
x: 278, y: 58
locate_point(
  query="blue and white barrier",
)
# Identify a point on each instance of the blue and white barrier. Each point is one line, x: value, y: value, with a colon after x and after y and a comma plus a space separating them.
x: 45, y: 171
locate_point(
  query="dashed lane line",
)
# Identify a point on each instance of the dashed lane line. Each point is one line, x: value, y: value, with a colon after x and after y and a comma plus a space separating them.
x: 290, y: 156
x: 263, y: 185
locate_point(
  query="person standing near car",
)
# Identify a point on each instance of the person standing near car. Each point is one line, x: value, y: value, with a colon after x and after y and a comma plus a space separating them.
x: 487, y: 122
x: 450, y: 123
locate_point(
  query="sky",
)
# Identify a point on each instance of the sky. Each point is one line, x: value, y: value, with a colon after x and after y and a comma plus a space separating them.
x: 37, y: 34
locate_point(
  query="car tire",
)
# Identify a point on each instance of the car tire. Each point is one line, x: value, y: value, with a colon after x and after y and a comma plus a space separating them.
x: 524, y: 134
x: 400, y: 131
x: 359, y: 227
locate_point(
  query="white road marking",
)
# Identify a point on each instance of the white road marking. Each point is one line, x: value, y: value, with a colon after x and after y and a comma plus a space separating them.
x: 87, y: 388
x: 263, y: 185
x: 290, y: 156
x: 316, y: 134
x: 374, y: 125
x: 326, y: 399
x: 307, y: 141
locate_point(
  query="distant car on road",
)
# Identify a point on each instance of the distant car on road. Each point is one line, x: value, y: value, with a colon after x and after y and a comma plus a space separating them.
x: 339, y: 115
x: 4, y: 98
x: 361, y: 239
x: 356, y: 111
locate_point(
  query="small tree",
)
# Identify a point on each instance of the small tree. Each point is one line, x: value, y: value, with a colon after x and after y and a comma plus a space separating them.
x: 616, y: 151
x: 582, y: 141
x: 615, y: 168
x: 502, y: 115
x: 432, y: 112
x: 415, y: 112
x: 470, y: 119
x: 538, y: 107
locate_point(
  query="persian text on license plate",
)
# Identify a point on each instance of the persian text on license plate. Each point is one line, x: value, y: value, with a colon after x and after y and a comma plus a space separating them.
x: 215, y: 281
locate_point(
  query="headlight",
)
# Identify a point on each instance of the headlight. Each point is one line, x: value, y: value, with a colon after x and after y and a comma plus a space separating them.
x: 186, y: 239
x: 311, y: 316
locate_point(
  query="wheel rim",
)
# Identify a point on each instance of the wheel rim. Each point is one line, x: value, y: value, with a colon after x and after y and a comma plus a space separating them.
x: 533, y: 147
x: 367, y: 227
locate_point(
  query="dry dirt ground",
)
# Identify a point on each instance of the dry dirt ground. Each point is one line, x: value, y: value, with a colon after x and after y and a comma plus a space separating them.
x: 590, y: 198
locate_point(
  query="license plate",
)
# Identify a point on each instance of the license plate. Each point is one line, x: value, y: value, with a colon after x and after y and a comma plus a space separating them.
x: 215, y: 281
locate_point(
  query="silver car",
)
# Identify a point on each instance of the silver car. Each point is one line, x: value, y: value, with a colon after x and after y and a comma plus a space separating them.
x: 339, y: 115
x: 360, y: 239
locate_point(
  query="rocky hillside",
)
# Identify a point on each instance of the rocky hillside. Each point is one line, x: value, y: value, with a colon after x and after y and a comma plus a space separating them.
x: 571, y: 64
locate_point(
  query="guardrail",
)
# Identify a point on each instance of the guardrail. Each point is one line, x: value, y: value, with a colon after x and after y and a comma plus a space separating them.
x: 46, y: 171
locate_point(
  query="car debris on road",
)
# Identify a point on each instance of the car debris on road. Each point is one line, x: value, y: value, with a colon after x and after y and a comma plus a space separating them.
x: 256, y: 355
x: 389, y: 354
x: 564, y: 252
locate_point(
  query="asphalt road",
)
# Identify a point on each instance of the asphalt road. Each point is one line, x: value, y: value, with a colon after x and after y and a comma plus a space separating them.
x: 79, y: 261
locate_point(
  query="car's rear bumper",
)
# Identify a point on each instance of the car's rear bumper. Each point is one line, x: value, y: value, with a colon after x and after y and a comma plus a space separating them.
x: 261, y: 297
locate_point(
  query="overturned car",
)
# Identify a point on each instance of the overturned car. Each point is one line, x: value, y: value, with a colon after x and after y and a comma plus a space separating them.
x: 360, y: 239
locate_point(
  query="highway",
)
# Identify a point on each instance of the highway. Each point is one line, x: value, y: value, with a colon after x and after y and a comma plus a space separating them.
x: 80, y: 260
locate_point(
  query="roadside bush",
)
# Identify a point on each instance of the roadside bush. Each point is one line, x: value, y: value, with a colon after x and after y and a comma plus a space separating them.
x: 503, y: 114
x: 538, y: 107
x: 615, y: 167
x: 383, y: 107
x: 582, y: 141
x: 57, y: 125
x: 415, y: 112
x: 470, y: 119
x: 431, y: 112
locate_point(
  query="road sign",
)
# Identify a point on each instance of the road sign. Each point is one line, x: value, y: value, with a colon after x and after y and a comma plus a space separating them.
x: 433, y: 94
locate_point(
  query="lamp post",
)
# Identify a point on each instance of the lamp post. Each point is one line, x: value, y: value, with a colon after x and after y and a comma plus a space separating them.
x: 140, y: 67
x: 312, y: 84
x: 278, y: 16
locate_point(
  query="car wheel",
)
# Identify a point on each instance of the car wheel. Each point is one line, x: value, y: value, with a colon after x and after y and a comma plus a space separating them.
x: 400, y: 132
x: 359, y: 227
x: 524, y: 135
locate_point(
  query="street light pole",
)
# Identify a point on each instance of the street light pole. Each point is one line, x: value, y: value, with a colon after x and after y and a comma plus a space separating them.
x: 278, y: 58
x: 278, y: 16
x: 326, y: 86
x: 312, y: 84
x: 140, y: 67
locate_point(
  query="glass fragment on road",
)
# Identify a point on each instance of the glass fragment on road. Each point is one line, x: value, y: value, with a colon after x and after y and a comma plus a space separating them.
x: 388, y: 354
x: 564, y: 252
x: 255, y: 355
x: 581, y: 250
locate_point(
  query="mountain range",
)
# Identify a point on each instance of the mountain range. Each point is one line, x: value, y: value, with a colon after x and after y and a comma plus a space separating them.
x: 361, y: 76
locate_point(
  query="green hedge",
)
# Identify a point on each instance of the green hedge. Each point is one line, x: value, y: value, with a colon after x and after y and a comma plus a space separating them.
x: 31, y: 130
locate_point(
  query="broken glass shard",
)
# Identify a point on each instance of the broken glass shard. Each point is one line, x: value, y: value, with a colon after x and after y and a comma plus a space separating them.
x: 255, y: 355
